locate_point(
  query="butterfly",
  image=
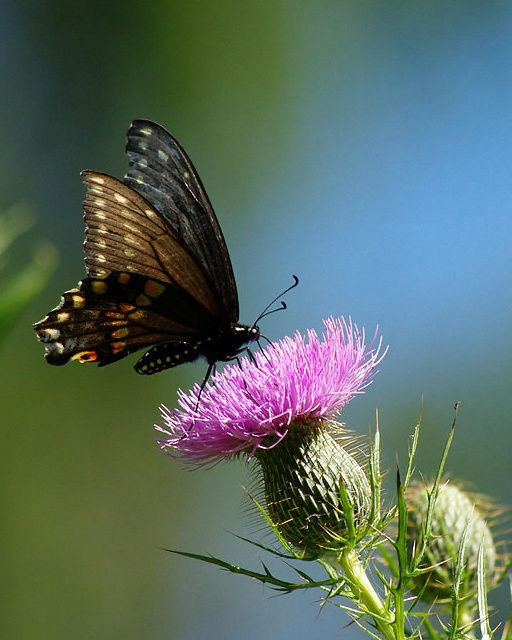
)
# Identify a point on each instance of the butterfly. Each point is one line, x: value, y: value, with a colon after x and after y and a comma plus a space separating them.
x: 159, y: 275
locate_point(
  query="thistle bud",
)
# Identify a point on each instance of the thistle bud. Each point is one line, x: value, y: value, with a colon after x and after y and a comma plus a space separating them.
x: 305, y: 477
x: 457, y: 513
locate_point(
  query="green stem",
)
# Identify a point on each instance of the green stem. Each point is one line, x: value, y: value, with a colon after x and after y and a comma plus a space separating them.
x: 363, y: 589
x: 466, y: 622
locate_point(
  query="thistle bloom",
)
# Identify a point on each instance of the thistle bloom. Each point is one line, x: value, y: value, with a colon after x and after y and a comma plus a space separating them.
x: 250, y: 406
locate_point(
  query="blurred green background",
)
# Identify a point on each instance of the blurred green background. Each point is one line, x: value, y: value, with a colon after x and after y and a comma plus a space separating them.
x: 364, y: 146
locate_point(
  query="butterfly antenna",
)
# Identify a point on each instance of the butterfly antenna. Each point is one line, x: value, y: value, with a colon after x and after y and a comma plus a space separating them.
x: 266, y: 311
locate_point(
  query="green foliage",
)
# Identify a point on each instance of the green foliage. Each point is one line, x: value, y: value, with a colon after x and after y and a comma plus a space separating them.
x: 20, y: 288
x: 382, y: 580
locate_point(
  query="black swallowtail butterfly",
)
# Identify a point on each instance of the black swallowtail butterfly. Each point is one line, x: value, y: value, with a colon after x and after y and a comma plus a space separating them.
x: 158, y: 269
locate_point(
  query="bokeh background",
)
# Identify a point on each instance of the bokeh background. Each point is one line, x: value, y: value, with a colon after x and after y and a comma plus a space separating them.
x: 364, y: 146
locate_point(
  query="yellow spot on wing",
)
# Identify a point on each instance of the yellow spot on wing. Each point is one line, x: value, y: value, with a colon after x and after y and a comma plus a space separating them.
x: 99, y: 287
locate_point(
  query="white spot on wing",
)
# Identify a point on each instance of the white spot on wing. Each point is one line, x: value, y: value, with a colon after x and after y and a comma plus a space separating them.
x: 59, y: 347
x: 120, y: 198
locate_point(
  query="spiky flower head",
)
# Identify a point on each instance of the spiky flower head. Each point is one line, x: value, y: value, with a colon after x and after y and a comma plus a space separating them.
x: 459, y: 518
x: 275, y: 409
x: 251, y: 405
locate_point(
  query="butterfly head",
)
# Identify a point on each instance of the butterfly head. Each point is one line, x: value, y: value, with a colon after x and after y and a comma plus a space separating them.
x: 232, y: 343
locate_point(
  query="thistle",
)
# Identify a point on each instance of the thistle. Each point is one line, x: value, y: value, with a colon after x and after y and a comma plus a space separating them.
x: 317, y: 495
x: 321, y: 490
x: 461, y: 530
x: 277, y: 409
x: 252, y: 406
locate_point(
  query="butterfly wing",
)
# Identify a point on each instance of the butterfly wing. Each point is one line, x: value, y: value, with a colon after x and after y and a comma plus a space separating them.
x: 144, y: 286
x: 104, y: 320
x: 162, y: 172
x: 125, y: 233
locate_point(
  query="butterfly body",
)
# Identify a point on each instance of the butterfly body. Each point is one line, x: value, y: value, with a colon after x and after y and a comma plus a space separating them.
x: 158, y: 269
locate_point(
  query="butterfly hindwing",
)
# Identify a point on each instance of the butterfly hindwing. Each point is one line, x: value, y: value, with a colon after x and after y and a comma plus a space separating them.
x: 103, y: 320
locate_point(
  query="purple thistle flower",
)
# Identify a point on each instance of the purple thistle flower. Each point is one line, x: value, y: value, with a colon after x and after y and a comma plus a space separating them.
x: 252, y: 405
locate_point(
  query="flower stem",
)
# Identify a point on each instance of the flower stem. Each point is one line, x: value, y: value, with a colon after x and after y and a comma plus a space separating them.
x: 366, y: 594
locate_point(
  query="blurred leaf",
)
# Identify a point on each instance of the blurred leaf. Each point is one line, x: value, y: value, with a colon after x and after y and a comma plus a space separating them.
x: 21, y: 288
x: 13, y: 223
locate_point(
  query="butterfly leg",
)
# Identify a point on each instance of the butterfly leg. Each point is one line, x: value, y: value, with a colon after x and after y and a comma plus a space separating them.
x: 238, y: 361
x: 212, y: 368
x: 261, y: 348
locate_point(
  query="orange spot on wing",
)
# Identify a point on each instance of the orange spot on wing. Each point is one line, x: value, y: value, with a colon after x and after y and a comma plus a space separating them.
x: 86, y: 356
x: 153, y: 289
x: 117, y: 347
x: 142, y: 301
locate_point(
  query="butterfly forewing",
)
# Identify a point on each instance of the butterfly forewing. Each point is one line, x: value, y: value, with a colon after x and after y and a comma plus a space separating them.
x: 125, y: 233
x: 163, y: 173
